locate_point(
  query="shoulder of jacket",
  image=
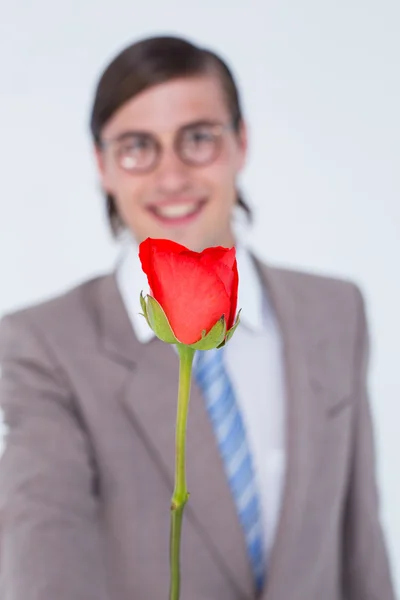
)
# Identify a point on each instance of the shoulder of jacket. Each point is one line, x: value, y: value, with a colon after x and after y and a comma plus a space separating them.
x: 57, y: 318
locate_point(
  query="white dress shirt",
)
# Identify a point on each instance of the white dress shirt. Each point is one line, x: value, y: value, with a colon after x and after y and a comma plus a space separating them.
x: 255, y: 365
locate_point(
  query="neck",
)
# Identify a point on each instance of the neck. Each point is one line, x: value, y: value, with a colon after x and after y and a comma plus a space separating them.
x: 227, y: 239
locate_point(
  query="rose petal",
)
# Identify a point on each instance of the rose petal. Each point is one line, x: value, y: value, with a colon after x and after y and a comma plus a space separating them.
x: 192, y: 296
x: 223, y: 262
x: 219, y: 266
x: 147, y: 250
x: 233, y: 296
x: 227, y: 256
x: 215, y: 263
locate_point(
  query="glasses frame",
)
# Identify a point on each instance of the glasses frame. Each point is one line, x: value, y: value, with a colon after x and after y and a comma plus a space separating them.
x: 220, y: 128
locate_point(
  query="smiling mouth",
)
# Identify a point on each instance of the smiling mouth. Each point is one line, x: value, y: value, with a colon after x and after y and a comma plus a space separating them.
x: 177, y: 213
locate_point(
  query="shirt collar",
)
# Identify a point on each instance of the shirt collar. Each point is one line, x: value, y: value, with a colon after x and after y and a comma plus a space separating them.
x: 132, y: 281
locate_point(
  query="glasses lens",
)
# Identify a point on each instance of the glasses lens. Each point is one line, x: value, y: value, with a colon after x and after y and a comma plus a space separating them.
x: 200, y: 144
x: 138, y: 152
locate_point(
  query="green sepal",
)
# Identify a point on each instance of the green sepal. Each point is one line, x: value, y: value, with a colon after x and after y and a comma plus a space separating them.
x: 157, y: 320
x: 144, y: 307
x: 213, y: 338
x: 231, y: 331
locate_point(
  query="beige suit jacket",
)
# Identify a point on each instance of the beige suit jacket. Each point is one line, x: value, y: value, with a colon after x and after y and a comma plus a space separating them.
x: 87, y: 472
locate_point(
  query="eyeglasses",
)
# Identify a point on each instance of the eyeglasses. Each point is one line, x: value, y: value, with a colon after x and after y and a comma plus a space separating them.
x: 197, y: 145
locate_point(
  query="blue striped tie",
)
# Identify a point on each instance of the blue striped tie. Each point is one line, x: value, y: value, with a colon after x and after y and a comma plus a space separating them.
x: 230, y: 432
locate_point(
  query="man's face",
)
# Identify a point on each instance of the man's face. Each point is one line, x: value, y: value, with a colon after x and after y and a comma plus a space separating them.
x: 171, y: 159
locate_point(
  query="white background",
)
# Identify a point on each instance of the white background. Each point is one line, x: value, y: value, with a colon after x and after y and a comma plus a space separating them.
x: 320, y: 83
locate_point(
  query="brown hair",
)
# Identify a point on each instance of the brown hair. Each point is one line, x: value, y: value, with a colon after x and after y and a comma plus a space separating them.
x: 145, y: 64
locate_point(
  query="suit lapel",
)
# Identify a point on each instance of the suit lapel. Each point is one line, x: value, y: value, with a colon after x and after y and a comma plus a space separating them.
x: 302, y: 426
x: 150, y: 401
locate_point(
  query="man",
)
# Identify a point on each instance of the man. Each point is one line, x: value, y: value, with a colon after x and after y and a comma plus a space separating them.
x: 89, y: 395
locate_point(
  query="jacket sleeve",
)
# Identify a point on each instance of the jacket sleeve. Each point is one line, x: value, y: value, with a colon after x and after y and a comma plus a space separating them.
x: 50, y: 539
x: 366, y: 574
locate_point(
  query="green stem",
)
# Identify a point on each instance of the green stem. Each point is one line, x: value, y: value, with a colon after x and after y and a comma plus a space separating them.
x: 180, y: 495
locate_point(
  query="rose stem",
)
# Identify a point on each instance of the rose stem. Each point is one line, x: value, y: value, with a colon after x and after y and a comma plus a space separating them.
x: 180, y: 495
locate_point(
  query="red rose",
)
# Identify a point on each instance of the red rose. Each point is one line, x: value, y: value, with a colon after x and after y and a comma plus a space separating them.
x: 194, y: 289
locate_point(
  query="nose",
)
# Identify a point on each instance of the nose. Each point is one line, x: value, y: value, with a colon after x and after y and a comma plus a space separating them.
x: 172, y: 173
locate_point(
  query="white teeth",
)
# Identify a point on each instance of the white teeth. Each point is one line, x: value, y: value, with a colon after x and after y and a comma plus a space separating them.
x: 175, y: 211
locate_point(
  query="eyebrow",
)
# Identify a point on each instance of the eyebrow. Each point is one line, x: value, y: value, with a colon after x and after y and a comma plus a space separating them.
x: 141, y: 132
